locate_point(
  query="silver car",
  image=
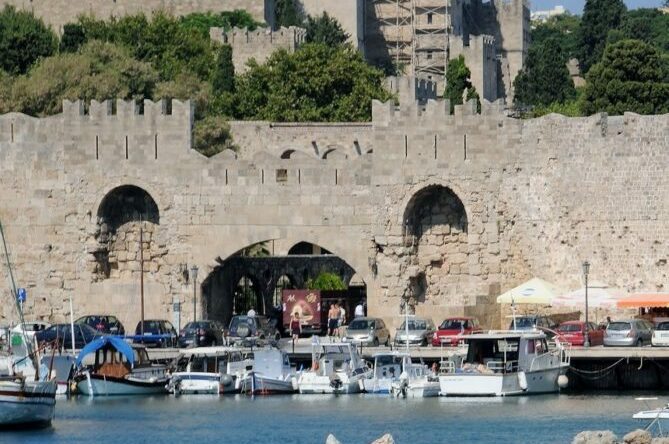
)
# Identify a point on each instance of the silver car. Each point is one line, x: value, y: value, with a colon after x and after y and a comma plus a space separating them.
x: 628, y: 333
x: 421, y: 331
x: 367, y: 331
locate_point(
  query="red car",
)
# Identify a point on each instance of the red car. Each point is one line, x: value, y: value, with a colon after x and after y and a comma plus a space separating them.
x: 574, y: 333
x: 450, y: 331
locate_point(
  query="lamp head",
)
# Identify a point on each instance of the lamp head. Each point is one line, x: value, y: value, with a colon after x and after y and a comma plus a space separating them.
x: 586, y: 267
x: 193, y: 272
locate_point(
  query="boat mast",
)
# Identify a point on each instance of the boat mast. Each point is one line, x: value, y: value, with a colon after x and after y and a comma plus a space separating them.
x: 10, y: 272
x: 141, y: 271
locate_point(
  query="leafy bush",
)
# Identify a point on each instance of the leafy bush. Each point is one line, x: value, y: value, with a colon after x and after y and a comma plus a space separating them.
x: 24, y: 39
x: 326, y: 281
x: 212, y: 135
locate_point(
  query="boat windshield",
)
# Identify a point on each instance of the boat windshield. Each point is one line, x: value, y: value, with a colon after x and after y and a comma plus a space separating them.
x: 388, y: 360
x: 523, y: 322
x: 454, y: 324
x: 484, y: 350
x: 570, y: 327
x: 415, y: 324
x: 663, y: 326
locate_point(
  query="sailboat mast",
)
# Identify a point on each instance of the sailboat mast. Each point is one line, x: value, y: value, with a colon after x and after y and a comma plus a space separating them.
x: 141, y: 272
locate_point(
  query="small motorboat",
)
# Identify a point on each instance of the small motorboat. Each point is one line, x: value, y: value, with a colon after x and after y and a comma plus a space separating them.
x: 271, y: 374
x: 336, y: 369
x: 657, y: 418
x: 209, y: 370
x: 505, y: 363
x: 110, y: 366
x: 395, y: 373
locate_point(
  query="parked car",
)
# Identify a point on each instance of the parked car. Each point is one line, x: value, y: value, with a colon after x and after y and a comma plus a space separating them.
x: 61, y: 335
x: 252, y: 328
x: 367, y: 331
x: 157, y: 333
x: 421, y: 332
x: 531, y: 322
x: 660, y: 335
x: 630, y: 333
x: 451, y: 331
x: 31, y: 328
x: 573, y: 332
x: 201, y: 333
x: 103, y: 323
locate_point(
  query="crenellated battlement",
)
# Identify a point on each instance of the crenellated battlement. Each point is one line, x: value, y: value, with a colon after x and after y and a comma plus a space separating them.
x: 258, y: 44
x: 147, y: 110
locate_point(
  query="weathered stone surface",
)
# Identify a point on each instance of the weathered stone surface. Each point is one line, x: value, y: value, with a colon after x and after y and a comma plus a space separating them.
x: 332, y: 440
x: 385, y: 439
x: 638, y: 437
x: 595, y: 437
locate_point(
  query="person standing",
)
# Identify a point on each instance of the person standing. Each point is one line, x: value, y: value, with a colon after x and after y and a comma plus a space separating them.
x: 342, y: 319
x: 333, y: 319
x: 295, y: 326
x: 359, y: 310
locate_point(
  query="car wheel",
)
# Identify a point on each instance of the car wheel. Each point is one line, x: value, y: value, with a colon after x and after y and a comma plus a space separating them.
x: 376, y: 342
x: 424, y: 343
x: 387, y: 343
x: 277, y: 336
x: 639, y: 342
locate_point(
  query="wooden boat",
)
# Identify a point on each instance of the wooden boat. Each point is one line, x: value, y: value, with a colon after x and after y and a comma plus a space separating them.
x: 271, y: 374
x: 117, y: 368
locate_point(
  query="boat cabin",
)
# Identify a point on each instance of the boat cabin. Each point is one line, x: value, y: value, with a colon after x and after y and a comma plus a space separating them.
x: 503, y: 353
x: 214, y: 360
x: 339, y: 357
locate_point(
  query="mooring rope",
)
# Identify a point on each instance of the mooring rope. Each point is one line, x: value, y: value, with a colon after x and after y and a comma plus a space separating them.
x: 596, y: 372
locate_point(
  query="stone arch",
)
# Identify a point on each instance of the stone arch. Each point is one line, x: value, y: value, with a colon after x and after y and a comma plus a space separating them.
x: 127, y: 221
x: 334, y: 153
x: 307, y: 248
x: 287, y: 154
x: 434, y: 204
x: 127, y: 203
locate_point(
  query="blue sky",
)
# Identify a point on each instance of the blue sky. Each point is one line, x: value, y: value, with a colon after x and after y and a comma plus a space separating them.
x: 576, y: 6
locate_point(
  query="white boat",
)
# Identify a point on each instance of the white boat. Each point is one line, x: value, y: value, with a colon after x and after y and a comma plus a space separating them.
x: 337, y: 369
x: 109, y: 366
x: 271, y: 374
x: 27, y: 393
x: 395, y: 373
x: 657, y: 418
x: 209, y: 370
x: 27, y: 390
x: 504, y: 363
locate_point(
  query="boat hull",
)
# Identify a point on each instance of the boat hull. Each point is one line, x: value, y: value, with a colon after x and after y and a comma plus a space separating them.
x: 255, y: 384
x: 497, y: 384
x: 202, y: 383
x: 97, y: 385
x: 28, y: 404
x: 311, y: 384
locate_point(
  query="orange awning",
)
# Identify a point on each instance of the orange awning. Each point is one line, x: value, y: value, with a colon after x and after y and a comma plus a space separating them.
x: 637, y: 300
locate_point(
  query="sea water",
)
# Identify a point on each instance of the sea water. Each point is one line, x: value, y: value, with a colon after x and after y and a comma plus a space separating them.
x: 351, y: 418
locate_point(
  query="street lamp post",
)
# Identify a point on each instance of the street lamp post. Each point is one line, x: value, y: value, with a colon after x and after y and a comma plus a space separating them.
x: 193, y: 273
x: 586, y: 270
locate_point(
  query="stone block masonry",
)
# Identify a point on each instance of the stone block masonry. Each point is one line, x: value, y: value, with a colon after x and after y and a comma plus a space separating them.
x: 59, y: 12
x: 448, y: 209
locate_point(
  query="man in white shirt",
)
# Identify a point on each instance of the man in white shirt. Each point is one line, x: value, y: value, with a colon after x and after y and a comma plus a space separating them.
x: 251, y: 313
x: 359, y: 310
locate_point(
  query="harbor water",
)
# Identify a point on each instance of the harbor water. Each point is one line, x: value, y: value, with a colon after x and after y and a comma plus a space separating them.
x: 352, y: 419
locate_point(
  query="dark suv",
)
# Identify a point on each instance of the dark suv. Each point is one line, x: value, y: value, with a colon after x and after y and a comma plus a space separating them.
x: 531, y: 322
x: 157, y: 333
x: 252, y: 328
x: 103, y: 323
x: 62, y: 335
x: 201, y: 333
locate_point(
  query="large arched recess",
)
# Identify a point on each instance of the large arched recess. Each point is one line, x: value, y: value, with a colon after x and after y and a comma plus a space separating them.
x: 220, y: 296
x: 120, y: 214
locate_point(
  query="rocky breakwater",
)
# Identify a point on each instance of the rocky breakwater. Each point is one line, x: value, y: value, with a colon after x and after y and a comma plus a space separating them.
x: 608, y: 437
x: 385, y: 439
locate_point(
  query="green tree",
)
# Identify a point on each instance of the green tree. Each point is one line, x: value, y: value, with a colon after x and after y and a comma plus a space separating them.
x: 73, y: 37
x: 599, y: 17
x: 629, y: 77
x: 457, y: 82
x: 99, y: 71
x: 545, y: 78
x: 23, y: 40
x: 287, y: 13
x: 315, y: 83
x: 649, y: 25
x: 223, y: 79
x: 187, y: 86
x: 211, y: 135
x: 201, y: 22
x: 326, y: 30
x: 326, y: 281
x: 563, y: 28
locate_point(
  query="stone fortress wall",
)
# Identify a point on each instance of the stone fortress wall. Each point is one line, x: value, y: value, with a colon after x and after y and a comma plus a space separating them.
x: 258, y: 44
x: 59, y: 12
x: 451, y: 209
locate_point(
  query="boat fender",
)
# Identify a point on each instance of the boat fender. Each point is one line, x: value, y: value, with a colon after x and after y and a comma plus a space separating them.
x: 294, y: 383
x: 153, y: 379
x: 522, y: 380
x: 563, y: 381
x: 226, y: 380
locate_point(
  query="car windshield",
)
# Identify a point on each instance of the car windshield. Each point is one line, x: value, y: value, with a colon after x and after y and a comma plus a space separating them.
x: 619, y: 326
x: 199, y: 324
x: 453, y: 324
x: 150, y: 326
x: 663, y: 326
x: 242, y: 320
x: 570, y: 327
x: 523, y: 322
x: 415, y: 324
x: 359, y: 324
